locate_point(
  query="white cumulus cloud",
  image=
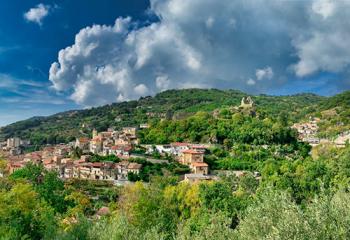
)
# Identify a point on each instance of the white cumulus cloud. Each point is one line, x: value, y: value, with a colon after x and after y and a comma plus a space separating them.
x: 205, y: 43
x: 265, y: 73
x: 37, y: 13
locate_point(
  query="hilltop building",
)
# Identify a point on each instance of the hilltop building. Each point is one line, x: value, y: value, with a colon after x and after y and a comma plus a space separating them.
x: 247, y: 102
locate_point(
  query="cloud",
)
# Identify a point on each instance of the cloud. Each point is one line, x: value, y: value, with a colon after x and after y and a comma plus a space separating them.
x: 251, y: 82
x: 37, y: 14
x: 324, y: 8
x: 17, y: 90
x: 322, y: 46
x: 265, y: 73
x: 205, y: 43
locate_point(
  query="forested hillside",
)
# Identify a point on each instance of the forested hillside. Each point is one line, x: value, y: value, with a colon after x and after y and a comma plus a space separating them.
x: 171, y: 104
x: 269, y: 186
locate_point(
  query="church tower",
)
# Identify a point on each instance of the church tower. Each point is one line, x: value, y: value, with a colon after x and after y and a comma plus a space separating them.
x: 94, y: 133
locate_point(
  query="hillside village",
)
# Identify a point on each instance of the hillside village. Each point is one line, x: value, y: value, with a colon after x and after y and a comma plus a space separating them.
x: 123, y: 143
x: 221, y: 159
x: 117, y: 143
x: 308, y: 132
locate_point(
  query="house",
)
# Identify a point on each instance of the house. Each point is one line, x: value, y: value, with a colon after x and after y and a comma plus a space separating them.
x: 164, y: 149
x: 62, y: 150
x: 134, y: 168
x: 123, y: 168
x: 122, y: 140
x: 107, y: 150
x: 96, y: 145
x: 47, y: 161
x: 34, y: 157
x: 195, y: 160
x: 198, y: 147
x: 66, y: 161
x: 13, y: 142
x: 129, y: 130
x: 105, y: 135
x: 121, y: 150
x: 190, y: 156
x: 178, y: 147
x: 108, y: 171
x: 69, y: 171
x: 14, y: 166
x: 82, y: 143
x: 96, y: 171
x: 199, y: 168
x: 84, y: 170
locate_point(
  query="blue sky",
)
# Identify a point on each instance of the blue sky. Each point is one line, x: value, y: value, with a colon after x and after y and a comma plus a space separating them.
x: 61, y: 55
x: 28, y: 49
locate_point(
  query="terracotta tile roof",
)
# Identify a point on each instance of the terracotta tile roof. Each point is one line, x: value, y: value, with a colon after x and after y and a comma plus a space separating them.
x: 83, y: 140
x: 47, y: 161
x: 121, y: 147
x: 199, y: 164
x: 16, y: 164
x: 179, y: 144
x: 192, y: 151
x: 97, y: 164
x: 198, y: 147
x: 79, y: 161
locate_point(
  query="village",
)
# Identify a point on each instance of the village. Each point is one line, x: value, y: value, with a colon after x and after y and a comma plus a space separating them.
x: 308, y: 130
x: 123, y: 143
x: 109, y: 143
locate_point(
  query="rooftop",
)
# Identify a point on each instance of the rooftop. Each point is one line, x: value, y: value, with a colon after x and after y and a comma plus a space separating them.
x: 192, y: 151
x: 199, y: 164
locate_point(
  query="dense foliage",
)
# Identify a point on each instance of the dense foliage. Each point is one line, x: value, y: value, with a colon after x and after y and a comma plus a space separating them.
x: 171, y: 104
x: 203, y: 127
x: 289, y: 190
x: 301, y: 198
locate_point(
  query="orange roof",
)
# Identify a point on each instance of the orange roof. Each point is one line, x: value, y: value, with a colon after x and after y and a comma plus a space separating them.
x: 199, y: 164
x: 179, y: 144
x: 97, y: 164
x: 83, y: 140
x: 198, y: 147
x: 121, y: 147
x: 16, y: 164
x: 79, y: 161
x: 192, y: 151
x: 47, y: 161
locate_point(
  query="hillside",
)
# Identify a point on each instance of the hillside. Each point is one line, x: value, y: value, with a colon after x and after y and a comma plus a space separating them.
x: 171, y: 104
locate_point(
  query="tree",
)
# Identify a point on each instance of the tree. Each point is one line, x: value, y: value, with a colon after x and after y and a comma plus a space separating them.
x: 3, y: 166
x: 23, y: 215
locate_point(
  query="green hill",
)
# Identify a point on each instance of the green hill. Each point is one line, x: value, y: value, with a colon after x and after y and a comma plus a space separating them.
x: 171, y: 104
